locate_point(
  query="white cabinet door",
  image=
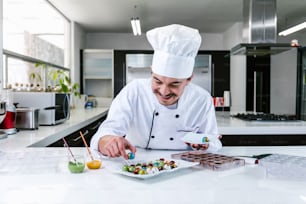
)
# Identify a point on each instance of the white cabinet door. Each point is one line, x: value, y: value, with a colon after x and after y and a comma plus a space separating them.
x: 98, y: 72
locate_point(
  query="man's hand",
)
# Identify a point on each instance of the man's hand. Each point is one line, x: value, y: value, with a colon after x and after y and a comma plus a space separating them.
x: 201, y: 146
x: 115, y: 146
x: 198, y: 146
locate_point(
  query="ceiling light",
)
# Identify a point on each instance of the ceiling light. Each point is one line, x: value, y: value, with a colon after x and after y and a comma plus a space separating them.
x: 293, y: 29
x: 135, y: 22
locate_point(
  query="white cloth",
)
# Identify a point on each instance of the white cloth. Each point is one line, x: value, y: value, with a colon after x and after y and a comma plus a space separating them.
x: 175, y: 48
x: 131, y: 114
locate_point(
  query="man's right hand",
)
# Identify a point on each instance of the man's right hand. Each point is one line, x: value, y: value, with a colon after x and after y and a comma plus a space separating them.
x: 115, y: 146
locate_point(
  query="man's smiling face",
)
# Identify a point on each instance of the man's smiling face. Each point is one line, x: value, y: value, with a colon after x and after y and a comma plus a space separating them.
x: 168, y: 90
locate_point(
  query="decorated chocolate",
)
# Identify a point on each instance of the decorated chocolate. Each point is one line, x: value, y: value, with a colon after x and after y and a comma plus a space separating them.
x: 150, y: 167
x: 197, y: 138
x: 131, y: 155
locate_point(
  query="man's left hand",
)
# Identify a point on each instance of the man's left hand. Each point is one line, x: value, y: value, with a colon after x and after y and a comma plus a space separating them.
x: 198, y: 146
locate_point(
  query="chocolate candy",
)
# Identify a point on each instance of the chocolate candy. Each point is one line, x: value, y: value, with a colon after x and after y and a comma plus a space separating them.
x: 131, y: 155
x: 205, y: 139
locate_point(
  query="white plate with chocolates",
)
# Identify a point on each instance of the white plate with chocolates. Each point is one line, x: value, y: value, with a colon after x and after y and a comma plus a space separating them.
x: 144, y: 170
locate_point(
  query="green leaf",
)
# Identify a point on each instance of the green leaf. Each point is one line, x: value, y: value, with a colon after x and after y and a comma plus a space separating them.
x: 67, y: 79
x: 75, y: 86
x: 32, y: 76
x: 65, y: 88
x: 40, y: 65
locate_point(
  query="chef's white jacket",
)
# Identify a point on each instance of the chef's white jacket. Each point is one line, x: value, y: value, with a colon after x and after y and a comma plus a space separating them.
x: 136, y: 114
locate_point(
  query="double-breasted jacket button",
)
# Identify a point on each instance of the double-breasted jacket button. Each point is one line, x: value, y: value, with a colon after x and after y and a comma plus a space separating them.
x: 152, y: 136
x: 171, y: 138
x: 156, y: 114
x: 177, y: 115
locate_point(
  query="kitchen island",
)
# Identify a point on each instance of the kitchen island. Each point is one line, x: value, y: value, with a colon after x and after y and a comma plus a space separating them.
x: 31, y: 173
x: 41, y: 175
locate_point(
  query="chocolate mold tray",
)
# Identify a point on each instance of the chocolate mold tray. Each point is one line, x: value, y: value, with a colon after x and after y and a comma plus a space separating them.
x: 284, y: 166
x: 215, y: 162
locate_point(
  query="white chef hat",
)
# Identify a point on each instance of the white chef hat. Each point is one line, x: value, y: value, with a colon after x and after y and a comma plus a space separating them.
x: 175, y: 48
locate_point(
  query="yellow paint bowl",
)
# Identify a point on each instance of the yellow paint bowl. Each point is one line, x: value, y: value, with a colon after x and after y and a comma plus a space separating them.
x: 94, y: 164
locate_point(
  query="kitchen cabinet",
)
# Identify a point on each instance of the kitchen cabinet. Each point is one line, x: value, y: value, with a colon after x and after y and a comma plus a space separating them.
x: 97, y: 72
x: 74, y: 139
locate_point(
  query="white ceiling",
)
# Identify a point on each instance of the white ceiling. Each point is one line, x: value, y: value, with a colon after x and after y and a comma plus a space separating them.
x: 211, y: 16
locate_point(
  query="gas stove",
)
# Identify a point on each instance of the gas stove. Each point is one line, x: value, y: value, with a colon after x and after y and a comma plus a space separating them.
x: 265, y: 117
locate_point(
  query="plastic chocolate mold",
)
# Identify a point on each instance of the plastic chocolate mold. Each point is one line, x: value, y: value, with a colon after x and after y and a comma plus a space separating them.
x: 216, y: 162
x: 284, y: 166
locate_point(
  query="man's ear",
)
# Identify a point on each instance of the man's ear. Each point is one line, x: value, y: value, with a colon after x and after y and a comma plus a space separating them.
x: 190, y: 78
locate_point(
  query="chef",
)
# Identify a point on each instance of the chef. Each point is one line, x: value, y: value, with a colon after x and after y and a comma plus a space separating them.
x: 156, y: 113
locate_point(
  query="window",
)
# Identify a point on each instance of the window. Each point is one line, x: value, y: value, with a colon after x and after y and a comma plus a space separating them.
x: 33, y: 32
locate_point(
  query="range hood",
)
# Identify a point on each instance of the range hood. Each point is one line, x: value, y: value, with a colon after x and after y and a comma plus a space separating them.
x: 259, y: 30
x: 260, y: 49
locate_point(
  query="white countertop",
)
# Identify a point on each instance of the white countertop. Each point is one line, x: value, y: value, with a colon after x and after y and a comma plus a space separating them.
x: 32, y: 174
x: 43, y: 184
x: 233, y: 126
x: 46, y: 135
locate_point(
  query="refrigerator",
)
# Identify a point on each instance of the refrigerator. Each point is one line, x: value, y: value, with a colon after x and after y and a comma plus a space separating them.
x: 301, y: 84
x: 139, y: 66
x: 271, y: 82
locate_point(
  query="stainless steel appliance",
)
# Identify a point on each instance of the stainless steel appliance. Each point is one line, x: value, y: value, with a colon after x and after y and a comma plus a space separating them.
x: 139, y: 66
x: 259, y: 30
x: 54, y: 108
x: 270, y: 66
x: 27, y: 118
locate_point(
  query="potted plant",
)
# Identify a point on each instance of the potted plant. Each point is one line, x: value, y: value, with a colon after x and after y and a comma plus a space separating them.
x: 59, y: 81
x: 36, y: 78
x: 62, y: 82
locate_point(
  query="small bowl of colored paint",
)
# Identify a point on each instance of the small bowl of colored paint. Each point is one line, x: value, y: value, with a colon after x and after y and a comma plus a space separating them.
x: 76, y: 164
x: 94, y: 164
